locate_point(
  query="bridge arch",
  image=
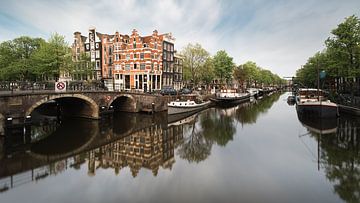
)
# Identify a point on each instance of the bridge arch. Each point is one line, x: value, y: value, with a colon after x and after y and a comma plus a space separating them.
x: 74, y: 105
x: 124, y: 102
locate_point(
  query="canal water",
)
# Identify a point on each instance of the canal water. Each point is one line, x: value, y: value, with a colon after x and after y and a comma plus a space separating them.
x: 255, y: 152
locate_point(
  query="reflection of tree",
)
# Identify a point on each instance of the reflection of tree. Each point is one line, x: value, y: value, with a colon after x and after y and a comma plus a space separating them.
x: 217, y: 127
x: 195, y: 147
x: 248, y: 113
x: 340, y: 155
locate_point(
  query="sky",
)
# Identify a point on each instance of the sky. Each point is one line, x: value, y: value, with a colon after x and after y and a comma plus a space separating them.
x: 279, y: 35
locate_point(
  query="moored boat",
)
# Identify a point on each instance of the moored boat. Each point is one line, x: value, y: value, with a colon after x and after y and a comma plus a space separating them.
x: 230, y: 97
x: 313, y: 103
x: 177, y: 107
x: 253, y: 92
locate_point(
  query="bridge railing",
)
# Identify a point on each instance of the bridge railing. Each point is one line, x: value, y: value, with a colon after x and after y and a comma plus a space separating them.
x: 17, y: 86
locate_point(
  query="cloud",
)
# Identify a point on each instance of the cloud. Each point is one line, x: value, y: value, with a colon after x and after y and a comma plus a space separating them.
x: 278, y: 35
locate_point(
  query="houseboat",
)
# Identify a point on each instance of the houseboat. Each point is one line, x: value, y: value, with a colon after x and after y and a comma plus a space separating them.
x: 179, y: 107
x: 230, y: 97
x: 313, y: 103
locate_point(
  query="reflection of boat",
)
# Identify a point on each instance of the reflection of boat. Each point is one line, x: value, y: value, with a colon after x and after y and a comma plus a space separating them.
x: 230, y: 97
x: 181, y: 121
x: 311, y: 102
x: 318, y: 125
x: 180, y: 118
x: 176, y: 107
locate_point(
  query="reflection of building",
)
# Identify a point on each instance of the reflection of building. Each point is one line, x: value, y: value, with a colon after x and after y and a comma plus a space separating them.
x: 149, y: 148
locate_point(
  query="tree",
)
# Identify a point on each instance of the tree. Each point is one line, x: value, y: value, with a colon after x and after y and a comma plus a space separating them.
x: 53, y: 58
x: 207, y: 72
x: 16, y: 58
x: 251, y: 71
x: 194, y: 58
x: 344, y: 47
x: 223, y: 65
x: 240, y: 75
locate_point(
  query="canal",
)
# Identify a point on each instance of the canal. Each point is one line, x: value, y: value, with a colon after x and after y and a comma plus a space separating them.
x: 255, y: 152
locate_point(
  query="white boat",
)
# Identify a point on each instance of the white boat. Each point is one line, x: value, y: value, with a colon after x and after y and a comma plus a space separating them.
x: 177, y: 107
x: 230, y: 97
x: 313, y: 103
x: 253, y: 92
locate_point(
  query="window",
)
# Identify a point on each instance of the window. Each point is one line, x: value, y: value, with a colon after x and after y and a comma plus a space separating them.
x: 155, y: 45
x: 135, y: 56
x: 117, y: 76
x: 127, y: 56
x: 97, y: 54
x: 141, y: 55
x: 127, y: 67
x: 135, y: 66
x: 144, y: 45
x: 142, y: 66
x: 97, y: 64
x: 152, y: 66
x: 152, y: 56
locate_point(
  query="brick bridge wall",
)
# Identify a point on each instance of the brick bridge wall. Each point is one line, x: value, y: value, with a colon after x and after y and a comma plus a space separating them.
x: 20, y: 105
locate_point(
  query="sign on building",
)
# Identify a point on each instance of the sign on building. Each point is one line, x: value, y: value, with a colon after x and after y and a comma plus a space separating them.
x: 60, y: 86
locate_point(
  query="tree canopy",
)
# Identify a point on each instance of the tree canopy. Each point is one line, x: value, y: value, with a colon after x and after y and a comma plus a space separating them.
x: 340, y: 58
x: 33, y: 59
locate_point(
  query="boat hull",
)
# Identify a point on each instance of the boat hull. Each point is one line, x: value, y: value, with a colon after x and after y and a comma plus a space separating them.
x: 185, y: 109
x: 228, y: 101
x: 317, y: 110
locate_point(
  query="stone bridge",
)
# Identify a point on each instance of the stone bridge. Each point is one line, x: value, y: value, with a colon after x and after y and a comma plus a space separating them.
x: 87, y: 104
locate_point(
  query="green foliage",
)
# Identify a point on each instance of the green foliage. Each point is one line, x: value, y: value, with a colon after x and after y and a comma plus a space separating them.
x: 223, y: 66
x: 32, y: 59
x: 341, y: 58
x: 207, y: 72
x: 16, y: 58
x: 195, y: 58
x: 254, y: 75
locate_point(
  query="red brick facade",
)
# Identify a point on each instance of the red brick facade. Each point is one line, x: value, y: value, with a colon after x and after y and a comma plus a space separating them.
x: 134, y: 62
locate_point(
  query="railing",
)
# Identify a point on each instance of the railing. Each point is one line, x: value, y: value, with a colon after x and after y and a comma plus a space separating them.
x: 17, y: 86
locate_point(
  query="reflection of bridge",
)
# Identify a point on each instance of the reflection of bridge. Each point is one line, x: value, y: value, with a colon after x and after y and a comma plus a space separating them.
x: 79, y: 103
x: 144, y: 141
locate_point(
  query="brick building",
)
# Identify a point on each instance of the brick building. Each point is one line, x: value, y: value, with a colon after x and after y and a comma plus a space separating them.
x: 130, y: 62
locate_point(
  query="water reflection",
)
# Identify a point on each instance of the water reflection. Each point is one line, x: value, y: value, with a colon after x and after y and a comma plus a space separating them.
x: 133, y: 141
x: 249, y: 112
x: 339, y: 150
x: 196, y: 150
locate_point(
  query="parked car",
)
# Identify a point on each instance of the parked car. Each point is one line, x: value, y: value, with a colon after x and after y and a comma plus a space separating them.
x: 168, y: 91
x: 185, y: 91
